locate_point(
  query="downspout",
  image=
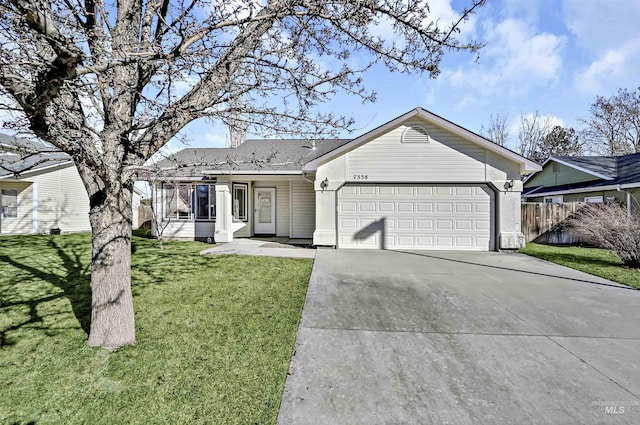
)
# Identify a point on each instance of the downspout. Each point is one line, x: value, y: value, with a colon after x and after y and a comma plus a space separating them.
x: 628, y: 199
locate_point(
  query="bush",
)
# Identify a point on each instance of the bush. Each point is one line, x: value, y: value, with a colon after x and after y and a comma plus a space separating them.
x: 609, y: 226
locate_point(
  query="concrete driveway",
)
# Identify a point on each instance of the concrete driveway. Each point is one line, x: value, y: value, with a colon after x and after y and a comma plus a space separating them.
x: 462, y: 338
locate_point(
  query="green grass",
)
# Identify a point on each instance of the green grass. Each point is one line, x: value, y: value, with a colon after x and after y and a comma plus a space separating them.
x: 214, y: 336
x: 599, y: 262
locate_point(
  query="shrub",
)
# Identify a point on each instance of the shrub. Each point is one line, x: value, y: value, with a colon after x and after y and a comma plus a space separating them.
x: 609, y: 226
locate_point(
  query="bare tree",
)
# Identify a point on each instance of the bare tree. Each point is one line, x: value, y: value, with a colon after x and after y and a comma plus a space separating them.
x: 613, y: 127
x: 532, y: 132
x: 111, y: 83
x: 497, y: 130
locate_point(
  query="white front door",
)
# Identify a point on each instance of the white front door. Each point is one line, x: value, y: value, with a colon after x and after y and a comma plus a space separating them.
x: 264, y: 211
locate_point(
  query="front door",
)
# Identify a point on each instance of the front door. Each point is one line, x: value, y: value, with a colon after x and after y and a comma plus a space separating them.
x: 264, y: 211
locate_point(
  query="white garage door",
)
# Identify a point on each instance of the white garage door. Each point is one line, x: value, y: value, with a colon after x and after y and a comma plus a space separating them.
x: 456, y: 217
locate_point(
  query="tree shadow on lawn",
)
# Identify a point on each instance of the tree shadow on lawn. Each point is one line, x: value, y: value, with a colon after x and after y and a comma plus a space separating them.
x: 73, y: 278
x: 64, y: 261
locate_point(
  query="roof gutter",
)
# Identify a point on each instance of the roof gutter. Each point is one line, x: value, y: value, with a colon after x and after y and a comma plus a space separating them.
x: 247, y: 172
x: 19, y: 175
x: 618, y: 187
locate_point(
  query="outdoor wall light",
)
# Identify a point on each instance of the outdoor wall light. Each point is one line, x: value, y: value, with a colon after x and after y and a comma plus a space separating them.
x: 508, y: 185
x: 324, y: 184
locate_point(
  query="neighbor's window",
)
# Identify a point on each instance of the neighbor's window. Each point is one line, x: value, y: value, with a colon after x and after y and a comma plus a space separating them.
x: 553, y: 199
x: 240, y: 201
x: 593, y: 199
x: 9, y: 198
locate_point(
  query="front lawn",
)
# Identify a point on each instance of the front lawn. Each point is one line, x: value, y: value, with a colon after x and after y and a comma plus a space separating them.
x: 599, y: 262
x: 214, y: 336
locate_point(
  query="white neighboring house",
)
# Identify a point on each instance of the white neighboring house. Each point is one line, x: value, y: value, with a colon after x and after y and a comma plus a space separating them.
x: 416, y: 182
x: 42, y: 192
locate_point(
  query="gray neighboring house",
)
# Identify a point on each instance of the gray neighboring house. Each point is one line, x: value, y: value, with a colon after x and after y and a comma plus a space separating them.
x: 417, y: 182
x: 590, y: 179
x: 42, y: 191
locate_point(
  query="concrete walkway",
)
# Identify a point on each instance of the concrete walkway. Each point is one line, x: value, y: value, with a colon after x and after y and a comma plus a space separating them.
x: 260, y: 248
x: 462, y: 338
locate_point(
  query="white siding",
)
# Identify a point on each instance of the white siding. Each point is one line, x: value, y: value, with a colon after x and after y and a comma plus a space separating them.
x: 445, y: 158
x: 282, y: 205
x: 62, y: 200
x: 179, y: 229
x: 22, y: 224
x: 304, y: 207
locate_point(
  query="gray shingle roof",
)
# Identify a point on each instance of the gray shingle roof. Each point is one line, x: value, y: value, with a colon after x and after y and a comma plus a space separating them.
x: 19, y: 155
x: 253, y: 155
x: 619, y: 170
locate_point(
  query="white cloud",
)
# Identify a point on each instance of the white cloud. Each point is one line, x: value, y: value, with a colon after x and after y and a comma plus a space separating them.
x: 609, y: 38
x: 516, y: 59
x: 612, y: 69
x: 593, y: 78
x: 597, y: 26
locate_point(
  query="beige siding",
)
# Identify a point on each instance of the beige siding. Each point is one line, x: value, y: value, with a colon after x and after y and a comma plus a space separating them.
x: 179, y: 229
x: 445, y: 158
x: 62, y: 200
x: 563, y: 175
x: 23, y: 223
x: 282, y: 205
x: 303, y: 209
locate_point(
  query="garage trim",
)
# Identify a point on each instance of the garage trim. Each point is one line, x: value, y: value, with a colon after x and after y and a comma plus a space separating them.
x: 412, y: 217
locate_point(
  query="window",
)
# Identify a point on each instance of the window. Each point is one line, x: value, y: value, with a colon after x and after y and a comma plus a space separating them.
x: 415, y: 134
x: 184, y: 201
x: 593, y: 199
x: 206, y: 202
x: 240, y: 201
x: 9, y: 198
x: 553, y: 199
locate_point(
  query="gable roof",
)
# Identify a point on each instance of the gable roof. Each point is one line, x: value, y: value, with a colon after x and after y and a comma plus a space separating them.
x: 270, y: 156
x: 609, y: 172
x: 19, y: 156
x: 525, y: 164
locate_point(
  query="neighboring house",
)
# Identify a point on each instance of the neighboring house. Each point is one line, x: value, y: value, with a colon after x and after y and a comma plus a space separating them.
x: 416, y: 182
x: 591, y: 179
x: 40, y: 192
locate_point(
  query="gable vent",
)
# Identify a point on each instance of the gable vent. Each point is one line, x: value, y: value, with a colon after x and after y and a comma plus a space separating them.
x: 415, y: 134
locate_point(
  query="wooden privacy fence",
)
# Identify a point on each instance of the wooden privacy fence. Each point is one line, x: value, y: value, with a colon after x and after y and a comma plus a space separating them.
x: 549, y: 223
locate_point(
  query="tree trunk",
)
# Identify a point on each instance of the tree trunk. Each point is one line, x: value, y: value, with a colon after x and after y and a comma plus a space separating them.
x: 112, y: 318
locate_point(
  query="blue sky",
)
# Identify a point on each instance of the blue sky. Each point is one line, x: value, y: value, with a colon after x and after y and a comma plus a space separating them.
x: 550, y: 56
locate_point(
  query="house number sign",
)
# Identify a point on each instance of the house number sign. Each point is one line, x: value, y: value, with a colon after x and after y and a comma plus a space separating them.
x: 360, y: 177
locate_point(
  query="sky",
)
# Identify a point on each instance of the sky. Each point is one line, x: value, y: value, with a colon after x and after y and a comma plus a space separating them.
x: 547, y: 56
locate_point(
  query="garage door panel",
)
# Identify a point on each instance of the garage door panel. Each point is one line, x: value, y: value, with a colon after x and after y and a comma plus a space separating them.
x: 464, y: 190
x: 444, y: 207
x: 424, y: 207
x: 415, y: 217
x: 348, y: 206
x: 386, y: 207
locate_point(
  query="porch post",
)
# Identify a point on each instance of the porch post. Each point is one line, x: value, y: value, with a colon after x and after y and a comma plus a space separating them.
x: 224, y: 218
